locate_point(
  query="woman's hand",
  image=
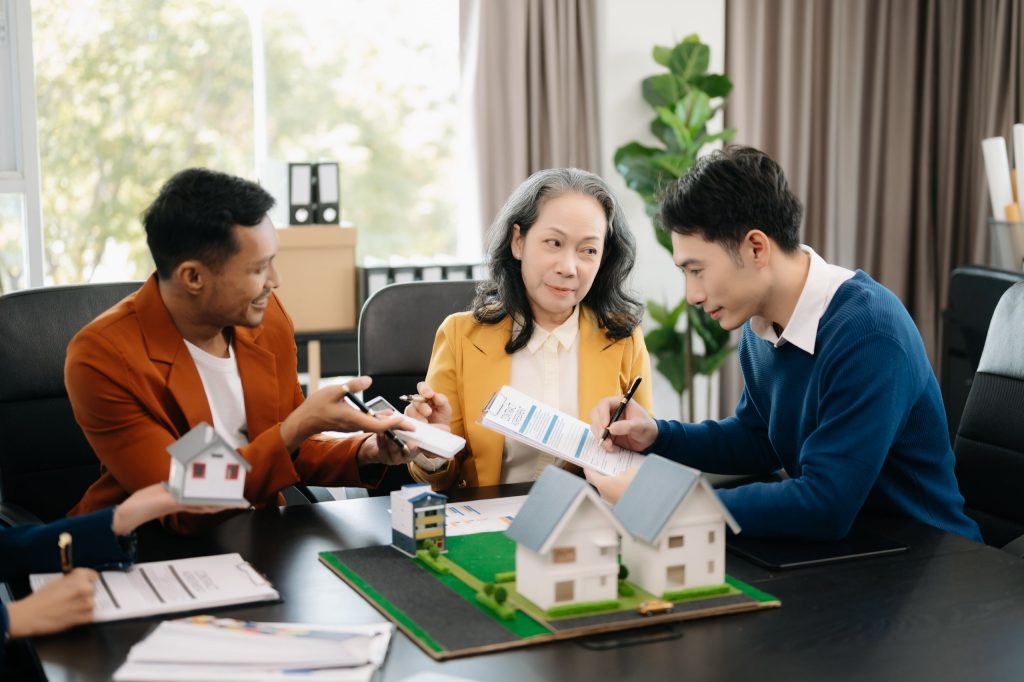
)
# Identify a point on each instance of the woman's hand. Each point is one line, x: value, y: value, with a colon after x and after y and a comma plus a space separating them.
x: 58, y: 605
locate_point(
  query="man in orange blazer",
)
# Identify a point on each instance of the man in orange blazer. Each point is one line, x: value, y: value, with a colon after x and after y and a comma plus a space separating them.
x: 206, y: 339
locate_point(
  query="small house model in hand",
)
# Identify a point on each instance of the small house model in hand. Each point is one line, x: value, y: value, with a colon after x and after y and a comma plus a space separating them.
x: 206, y: 470
x: 675, y: 525
x: 567, y: 543
x: 417, y: 516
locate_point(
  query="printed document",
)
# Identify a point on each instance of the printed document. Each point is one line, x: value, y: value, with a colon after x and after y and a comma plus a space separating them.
x: 482, y: 516
x: 520, y: 417
x: 172, y: 586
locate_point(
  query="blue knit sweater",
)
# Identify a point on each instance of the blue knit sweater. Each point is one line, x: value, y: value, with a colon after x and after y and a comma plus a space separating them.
x: 859, y: 425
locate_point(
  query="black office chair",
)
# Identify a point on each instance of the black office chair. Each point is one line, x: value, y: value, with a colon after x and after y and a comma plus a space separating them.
x: 974, y: 291
x: 396, y: 334
x: 990, y: 442
x: 45, y: 462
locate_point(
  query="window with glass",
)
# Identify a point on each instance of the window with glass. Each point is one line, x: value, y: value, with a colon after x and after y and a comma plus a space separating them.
x: 130, y: 91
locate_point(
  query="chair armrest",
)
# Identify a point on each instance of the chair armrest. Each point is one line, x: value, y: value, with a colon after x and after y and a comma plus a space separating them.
x: 13, y: 515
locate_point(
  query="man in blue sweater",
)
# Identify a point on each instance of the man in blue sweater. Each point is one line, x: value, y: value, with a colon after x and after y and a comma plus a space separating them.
x: 839, y: 392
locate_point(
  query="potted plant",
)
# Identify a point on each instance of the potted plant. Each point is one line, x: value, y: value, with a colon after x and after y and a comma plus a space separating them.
x: 684, y: 100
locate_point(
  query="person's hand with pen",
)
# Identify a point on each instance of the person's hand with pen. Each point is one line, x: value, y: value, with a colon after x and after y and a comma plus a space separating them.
x: 634, y: 430
x: 427, y: 405
x: 328, y: 410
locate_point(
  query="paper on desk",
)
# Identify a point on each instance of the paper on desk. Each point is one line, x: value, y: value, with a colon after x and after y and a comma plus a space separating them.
x: 520, y: 417
x: 173, y: 586
x: 481, y: 516
x: 228, y: 650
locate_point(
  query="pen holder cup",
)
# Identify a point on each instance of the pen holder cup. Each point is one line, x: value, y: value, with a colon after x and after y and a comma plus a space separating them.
x: 1007, y: 244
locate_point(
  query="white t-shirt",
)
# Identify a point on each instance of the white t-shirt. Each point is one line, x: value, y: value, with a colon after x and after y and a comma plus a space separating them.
x: 223, y: 387
x: 546, y: 369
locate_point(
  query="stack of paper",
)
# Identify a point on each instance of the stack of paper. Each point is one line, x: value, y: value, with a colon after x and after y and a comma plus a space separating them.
x: 226, y: 650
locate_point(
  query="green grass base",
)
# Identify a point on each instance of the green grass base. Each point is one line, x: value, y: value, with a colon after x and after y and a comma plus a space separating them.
x: 582, y: 608
x: 697, y: 592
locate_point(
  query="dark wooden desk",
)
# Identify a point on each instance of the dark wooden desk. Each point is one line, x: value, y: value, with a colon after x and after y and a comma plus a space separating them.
x: 947, y: 609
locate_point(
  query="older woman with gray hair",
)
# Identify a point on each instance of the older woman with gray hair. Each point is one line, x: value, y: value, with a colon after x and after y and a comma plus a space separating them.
x: 554, y: 320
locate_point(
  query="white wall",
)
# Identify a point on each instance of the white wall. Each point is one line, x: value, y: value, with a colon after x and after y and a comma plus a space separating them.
x: 627, y: 32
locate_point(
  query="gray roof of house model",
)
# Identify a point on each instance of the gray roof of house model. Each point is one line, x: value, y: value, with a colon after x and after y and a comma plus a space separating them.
x: 655, y: 493
x: 549, y: 500
x: 198, y: 440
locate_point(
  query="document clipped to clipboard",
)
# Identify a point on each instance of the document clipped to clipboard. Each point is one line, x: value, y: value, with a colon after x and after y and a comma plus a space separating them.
x: 520, y: 417
x: 156, y: 587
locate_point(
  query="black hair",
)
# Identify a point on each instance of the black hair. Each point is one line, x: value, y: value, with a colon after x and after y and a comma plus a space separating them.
x: 617, y: 311
x: 194, y: 214
x: 730, y: 192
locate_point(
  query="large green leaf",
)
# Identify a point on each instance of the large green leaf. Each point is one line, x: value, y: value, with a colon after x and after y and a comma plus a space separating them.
x: 673, y: 368
x: 659, y: 313
x: 664, y: 341
x: 694, y: 110
x: 714, y: 84
x: 661, y: 54
x: 678, y: 126
x: 709, y: 364
x: 689, y: 60
x: 664, y: 132
x: 635, y: 163
x: 676, y: 164
x: 662, y: 90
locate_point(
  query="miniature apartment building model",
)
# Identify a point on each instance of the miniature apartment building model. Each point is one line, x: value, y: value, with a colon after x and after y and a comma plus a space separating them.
x: 675, y: 525
x: 417, y: 515
x: 205, y: 469
x: 567, y: 543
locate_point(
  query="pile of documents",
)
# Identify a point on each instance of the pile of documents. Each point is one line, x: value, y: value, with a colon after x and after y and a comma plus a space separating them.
x: 229, y: 650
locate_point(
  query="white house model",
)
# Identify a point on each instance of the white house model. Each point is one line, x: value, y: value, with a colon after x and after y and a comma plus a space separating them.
x: 675, y: 527
x: 205, y: 469
x: 567, y: 543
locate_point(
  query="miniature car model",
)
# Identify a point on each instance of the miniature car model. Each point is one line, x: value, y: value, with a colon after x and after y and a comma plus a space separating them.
x: 654, y: 606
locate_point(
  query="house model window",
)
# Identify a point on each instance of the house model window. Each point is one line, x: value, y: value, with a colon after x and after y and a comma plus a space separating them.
x: 676, y: 541
x: 231, y: 472
x: 564, y: 555
x: 199, y: 470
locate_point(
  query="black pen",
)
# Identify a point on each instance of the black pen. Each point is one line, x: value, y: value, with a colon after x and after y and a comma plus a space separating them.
x: 622, y: 405
x: 354, y: 399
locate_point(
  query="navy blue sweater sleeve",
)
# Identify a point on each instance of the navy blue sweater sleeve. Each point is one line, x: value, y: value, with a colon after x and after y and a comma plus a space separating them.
x: 868, y: 389
x: 736, y: 445
x: 33, y: 548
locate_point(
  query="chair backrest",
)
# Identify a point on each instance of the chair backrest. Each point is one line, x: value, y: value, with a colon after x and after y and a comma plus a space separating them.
x: 974, y: 291
x: 990, y: 441
x: 396, y: 332
x: 45, y: 462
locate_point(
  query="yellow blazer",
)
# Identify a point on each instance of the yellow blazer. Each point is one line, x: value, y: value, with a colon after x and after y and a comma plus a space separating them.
x: 469, y: 363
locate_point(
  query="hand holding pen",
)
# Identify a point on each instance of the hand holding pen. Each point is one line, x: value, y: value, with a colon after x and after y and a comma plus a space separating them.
x: 622, y: 405
x: 622, y: 422
x: 406, y: 453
